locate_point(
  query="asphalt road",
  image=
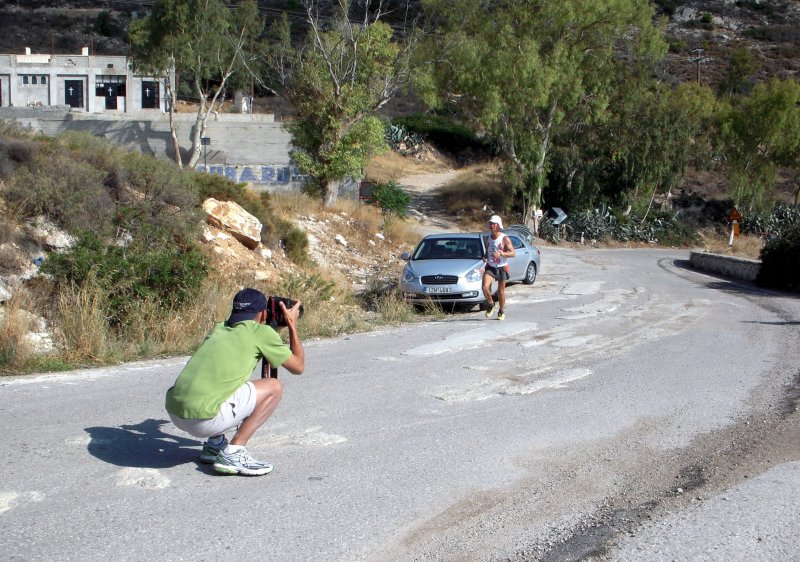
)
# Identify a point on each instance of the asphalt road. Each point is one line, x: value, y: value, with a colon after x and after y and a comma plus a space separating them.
x: 628, y: 408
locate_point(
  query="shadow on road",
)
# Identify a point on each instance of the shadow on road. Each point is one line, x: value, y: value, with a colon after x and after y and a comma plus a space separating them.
x: 143, y: 445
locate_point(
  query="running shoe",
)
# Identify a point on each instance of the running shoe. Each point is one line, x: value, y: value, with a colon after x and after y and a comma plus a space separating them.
x: 240, y: 462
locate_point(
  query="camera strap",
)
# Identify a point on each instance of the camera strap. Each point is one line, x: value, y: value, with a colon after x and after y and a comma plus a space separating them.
x: 267, y: 370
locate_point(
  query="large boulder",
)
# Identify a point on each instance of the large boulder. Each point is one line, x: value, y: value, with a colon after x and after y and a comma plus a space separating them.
x: 232, y: 218
x: 48, y: 235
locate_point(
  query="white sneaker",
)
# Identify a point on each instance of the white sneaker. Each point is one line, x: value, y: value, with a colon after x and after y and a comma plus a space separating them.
x: 240, y: 462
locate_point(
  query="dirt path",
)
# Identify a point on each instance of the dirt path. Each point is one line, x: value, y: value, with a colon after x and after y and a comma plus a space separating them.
x: 425, y: 204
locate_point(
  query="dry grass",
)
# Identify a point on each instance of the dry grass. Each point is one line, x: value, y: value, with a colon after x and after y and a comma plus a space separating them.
x: 8, y: 228
x: 400, y: 232
x: 293, y: 204
x: 157, y: 333
x: 15, y: 350
x: 743, y: 246
x: 392, y: 309
x: 84, y: 331
x: 85, y: 336
x: 392, y: 166
x: 476, y: 191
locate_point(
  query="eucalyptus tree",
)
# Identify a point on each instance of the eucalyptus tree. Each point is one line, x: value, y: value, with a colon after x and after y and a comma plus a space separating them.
x: 653, y: 133
x: 337, y: 80
x: 760, y: 134
x: 517, y: 69
x: 659, y: 133
x: 206, y: 42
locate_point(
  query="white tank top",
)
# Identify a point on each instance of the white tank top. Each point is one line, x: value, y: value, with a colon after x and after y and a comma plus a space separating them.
x: 496, y: 246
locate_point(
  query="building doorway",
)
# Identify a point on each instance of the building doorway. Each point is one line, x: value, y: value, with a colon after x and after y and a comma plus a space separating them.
x: 73, y: 93
x: 150, y: 94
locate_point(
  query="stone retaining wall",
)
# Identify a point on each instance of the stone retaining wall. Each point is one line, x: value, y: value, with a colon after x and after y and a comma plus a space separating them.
x: 731, y: 266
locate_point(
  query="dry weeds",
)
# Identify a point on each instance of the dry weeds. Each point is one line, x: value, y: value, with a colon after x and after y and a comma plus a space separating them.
x: 15, y: 322
x: 743, y: 246
x: 393, y: 166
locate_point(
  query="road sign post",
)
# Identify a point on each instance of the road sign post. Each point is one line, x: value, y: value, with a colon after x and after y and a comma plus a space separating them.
x: 560, y: 217
x: 734, y: 217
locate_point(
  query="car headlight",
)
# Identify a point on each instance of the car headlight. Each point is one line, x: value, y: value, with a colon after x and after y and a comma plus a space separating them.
x: 408, y: 275
x: 474, y: 275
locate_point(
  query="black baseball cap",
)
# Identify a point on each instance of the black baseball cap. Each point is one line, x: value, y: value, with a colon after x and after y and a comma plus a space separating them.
x: 246, y: 304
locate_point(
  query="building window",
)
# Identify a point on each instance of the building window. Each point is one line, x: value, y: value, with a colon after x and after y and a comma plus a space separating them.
x: 108, y: 86
x: 34, y: 79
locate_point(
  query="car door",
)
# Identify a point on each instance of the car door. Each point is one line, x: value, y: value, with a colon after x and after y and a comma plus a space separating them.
x: 519, y: 263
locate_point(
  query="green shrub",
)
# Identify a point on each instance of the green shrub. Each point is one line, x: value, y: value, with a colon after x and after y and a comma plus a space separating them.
x: 664, y: 227
x: 71, y: 194
x: 391, y: 198
x: 294, y: 241
x: 774, y: 33
x: 442, y: 131
x: 166, y: 273
x: 677, y: 46
x: 311, y: 289
x: 780, y: 261
x: 21, y: 152
x: 106, y: 24
x: 160, y: 190
x: 779, y: 219
x: 667, y: 6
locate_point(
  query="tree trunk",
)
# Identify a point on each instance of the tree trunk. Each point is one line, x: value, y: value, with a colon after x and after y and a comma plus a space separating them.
x: 172, y: 126
x: 199, y: 132
x: 331, y: 193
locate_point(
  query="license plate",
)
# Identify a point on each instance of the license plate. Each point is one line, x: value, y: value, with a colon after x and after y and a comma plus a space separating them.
x: 435, y: 290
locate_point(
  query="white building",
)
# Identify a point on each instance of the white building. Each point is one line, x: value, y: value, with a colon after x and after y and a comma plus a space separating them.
x: 87, y: 83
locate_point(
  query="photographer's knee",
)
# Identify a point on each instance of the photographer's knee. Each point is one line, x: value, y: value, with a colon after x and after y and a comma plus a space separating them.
x: 268, y: 389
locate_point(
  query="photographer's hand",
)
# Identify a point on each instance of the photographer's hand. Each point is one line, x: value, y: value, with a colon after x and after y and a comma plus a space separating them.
x: 291, y: 314
x: 296, y: 363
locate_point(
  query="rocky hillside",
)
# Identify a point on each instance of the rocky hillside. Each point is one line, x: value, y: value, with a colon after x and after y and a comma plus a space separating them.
x: 703, y: 33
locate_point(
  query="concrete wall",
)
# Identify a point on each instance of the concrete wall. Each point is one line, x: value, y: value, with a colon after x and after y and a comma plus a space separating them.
x: 731, y: 266
x: 248, y: 148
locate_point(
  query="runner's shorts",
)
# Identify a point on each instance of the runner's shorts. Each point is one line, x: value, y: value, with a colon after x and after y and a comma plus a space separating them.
x: 499, y: 273
x: 232, y: 412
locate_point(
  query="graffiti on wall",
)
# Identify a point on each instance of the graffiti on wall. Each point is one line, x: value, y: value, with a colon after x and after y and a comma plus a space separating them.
x: 271, y: 175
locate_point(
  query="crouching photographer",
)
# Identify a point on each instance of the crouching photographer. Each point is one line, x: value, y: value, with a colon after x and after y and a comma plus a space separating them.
x: 213, y: 394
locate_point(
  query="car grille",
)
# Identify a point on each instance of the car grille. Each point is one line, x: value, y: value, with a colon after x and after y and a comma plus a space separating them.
x: 439, y: 279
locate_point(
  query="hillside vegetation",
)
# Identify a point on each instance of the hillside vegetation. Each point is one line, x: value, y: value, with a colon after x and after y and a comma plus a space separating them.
x: 101, y: 259
x: 647, y: 122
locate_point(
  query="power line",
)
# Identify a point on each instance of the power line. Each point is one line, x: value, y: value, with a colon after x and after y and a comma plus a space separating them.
x: 266, y: 10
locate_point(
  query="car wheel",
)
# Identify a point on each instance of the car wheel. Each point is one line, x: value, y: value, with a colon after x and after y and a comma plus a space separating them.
x: 530, y: 274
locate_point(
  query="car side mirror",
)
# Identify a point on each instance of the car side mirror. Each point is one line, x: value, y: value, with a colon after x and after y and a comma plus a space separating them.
x: 405, y: 256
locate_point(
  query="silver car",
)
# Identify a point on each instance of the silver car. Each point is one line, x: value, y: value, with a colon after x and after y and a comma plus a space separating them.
x: 448, y: 268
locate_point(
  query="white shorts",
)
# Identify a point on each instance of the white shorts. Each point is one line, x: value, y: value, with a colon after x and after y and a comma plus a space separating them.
x: 232, y: 412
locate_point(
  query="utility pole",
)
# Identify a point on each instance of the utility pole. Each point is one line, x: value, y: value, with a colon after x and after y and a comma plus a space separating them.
x: 698, y: 58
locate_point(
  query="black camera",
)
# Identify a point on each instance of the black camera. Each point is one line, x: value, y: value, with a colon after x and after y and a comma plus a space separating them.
x: 275, y: 316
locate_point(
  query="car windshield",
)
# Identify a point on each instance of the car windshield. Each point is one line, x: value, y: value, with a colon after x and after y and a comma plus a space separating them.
x: 449, y: 249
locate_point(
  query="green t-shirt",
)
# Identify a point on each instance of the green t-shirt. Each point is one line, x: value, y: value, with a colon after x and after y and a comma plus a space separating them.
x: 223, y: 363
